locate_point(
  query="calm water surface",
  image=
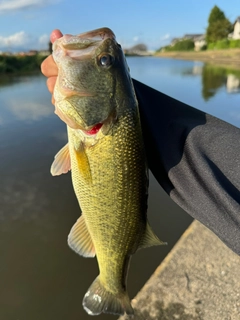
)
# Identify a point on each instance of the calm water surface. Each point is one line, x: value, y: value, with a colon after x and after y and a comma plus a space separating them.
x: 40, y: 277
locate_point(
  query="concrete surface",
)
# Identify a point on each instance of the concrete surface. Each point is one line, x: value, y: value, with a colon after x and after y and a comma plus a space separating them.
x: 198, y: 280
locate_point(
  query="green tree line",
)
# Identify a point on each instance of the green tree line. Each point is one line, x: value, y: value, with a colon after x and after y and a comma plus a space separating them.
x: 183, y: 45
x: 218, y: 29
x: 20, y: 64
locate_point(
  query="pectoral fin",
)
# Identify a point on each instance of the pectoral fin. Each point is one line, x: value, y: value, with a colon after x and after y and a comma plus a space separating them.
x: 79, y: 239
x: 150, y: 239
x: 62, y: 162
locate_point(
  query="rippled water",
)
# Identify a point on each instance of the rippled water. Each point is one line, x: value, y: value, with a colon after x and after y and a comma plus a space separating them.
x: 40, y: 277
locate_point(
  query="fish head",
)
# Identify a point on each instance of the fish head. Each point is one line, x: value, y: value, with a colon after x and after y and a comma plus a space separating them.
x: 92, y: 75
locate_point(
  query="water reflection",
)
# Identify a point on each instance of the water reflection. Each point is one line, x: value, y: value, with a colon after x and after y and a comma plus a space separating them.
x: 195, y: 69
x: 217, y: 77
x: 17, y: 99
x: 233, y: 83
x: 202, y: 85
x: 25, y: 110
x: 214, y: 78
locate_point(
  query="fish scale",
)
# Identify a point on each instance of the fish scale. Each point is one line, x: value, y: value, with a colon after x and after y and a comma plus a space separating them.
x: 117, y: 164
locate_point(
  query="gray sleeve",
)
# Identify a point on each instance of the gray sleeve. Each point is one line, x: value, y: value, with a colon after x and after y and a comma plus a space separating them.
x: 196, y: 159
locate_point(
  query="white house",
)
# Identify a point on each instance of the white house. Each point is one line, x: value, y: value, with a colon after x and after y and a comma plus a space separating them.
x: 236, y: 32
x: 199, y: 42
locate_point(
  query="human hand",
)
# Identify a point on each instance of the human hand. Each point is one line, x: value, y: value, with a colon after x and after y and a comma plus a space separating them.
x: 49, y: 67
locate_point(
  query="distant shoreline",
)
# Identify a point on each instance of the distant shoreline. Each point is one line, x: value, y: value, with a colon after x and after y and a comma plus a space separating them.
x: 20, y: 65
x: 227, y: 56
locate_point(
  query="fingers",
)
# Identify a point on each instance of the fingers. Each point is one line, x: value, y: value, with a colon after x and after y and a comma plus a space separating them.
x: 53, y: 100
x: 49, y: 67
x: 51, y: 83
x: 50, y: 70
x: 56, y: 34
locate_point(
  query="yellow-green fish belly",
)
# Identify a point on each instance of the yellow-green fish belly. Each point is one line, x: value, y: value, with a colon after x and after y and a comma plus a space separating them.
x: 113, y: 197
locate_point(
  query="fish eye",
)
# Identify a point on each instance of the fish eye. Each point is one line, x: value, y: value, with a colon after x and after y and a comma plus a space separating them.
x: 106, y: 60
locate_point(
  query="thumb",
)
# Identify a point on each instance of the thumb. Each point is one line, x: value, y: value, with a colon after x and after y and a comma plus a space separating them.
x: 56, y: 34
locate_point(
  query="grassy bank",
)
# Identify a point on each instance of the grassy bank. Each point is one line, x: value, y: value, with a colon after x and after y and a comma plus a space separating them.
x: 226, y: 56
x: 20, y: 64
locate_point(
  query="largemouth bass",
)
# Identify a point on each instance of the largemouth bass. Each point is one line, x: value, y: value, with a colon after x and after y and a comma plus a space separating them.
x: 95, y: 97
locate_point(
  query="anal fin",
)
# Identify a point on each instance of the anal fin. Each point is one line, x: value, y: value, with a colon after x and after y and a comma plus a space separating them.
x: 150, y: 239
x: 79, y: 239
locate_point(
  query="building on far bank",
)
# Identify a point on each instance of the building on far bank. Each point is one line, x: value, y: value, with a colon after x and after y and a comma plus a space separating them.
x: 198, y: 39
x: 31, y: 53
x: 138, y: 50
x: 199, y: 42
x: 236, y: 32
x: 44, y: 52
x: 174, y: 41
x: 191, y: 36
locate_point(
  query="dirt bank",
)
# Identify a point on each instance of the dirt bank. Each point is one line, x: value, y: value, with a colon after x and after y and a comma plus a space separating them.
x: 227, y: 56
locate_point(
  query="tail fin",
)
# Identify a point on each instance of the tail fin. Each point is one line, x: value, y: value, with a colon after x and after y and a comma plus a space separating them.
x: 98, y: 300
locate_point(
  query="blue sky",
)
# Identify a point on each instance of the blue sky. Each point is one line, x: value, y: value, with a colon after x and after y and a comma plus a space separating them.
x: 27, y: 24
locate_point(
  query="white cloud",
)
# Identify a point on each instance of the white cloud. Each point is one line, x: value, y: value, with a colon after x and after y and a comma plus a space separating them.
x: 165, y: 37
x: 18, y: 39
x: 135, y: 39
x: 14, y: 5
x: 22, y: 41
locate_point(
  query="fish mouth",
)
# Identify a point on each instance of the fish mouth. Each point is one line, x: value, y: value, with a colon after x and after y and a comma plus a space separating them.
x: 86, y: 39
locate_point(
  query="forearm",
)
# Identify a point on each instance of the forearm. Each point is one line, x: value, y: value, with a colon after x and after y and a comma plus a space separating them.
x: 196, y: 159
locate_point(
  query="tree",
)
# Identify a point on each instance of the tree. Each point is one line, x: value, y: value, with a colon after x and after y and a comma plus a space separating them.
x: 218, y: 26
x: 50, y: 46
x: 139, y: 47
x: 215, y: 15
x: 184, y: 45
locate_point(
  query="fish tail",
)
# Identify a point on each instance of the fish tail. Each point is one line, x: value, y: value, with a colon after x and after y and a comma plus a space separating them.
x: 98, y: 300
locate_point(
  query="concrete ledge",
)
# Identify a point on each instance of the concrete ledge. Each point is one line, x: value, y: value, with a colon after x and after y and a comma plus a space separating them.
x: 198, y: 280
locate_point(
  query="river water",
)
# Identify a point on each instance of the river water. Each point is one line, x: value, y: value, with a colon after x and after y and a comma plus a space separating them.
x: 40, y: 277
